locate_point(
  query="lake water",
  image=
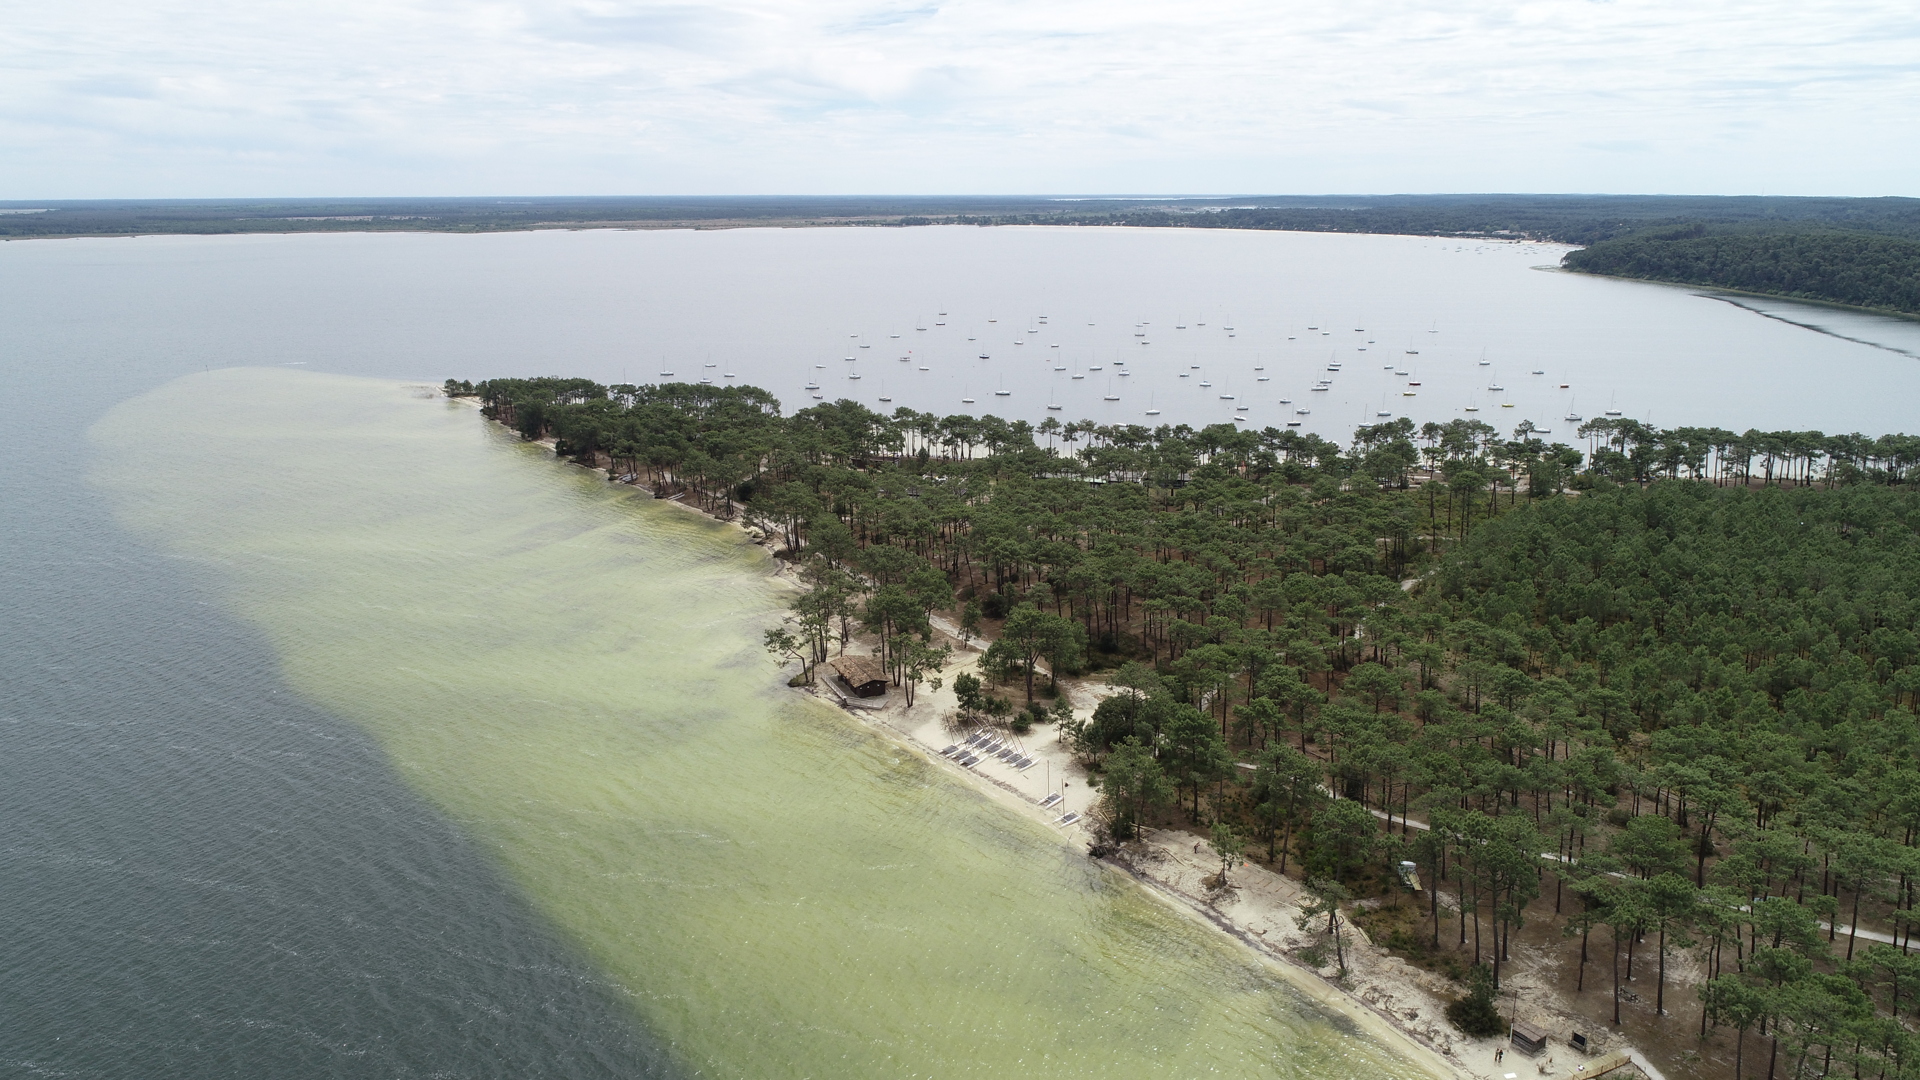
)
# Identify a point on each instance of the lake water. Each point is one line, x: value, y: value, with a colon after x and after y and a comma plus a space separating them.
x: 785, y: 308
x: 346, y: 736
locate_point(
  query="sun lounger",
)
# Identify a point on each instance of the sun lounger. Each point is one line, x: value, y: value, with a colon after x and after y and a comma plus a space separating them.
x: 1047, y: 803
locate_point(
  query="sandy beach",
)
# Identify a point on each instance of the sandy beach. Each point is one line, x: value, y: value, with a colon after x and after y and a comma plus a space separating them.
x: 1258, y: 909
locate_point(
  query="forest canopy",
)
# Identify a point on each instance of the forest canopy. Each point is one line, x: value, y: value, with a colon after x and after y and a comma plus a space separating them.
x: 1859, y: 269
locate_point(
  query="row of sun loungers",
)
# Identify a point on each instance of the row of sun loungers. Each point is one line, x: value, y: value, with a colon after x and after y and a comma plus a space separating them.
x: 980, y: 746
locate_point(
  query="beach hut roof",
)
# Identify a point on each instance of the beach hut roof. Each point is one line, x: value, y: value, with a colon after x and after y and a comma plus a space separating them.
x: 858, y: 671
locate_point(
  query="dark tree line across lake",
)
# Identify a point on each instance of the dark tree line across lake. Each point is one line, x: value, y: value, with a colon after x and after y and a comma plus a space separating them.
x: 1657, y: 696
x: 1860, y: 269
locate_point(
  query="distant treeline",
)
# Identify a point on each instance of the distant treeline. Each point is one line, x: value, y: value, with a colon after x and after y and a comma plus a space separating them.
x: 1574, y: 219
x: 1861, y: 269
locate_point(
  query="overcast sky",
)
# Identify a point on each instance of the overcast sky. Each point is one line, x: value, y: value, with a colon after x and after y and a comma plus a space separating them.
x: 106, y: 98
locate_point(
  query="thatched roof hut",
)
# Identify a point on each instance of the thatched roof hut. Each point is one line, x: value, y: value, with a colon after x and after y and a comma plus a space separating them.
x: 862, y: 675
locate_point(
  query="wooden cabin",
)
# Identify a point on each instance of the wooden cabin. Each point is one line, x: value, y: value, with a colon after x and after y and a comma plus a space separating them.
x: 1528, y: 1039
x: 861, y: 675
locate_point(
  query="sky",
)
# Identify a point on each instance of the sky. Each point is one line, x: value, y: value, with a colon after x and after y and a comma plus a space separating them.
x: 225, y: 98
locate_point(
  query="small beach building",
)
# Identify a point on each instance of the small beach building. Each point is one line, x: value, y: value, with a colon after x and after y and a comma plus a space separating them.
x: 862, y: 675
x: 1528, y: 1039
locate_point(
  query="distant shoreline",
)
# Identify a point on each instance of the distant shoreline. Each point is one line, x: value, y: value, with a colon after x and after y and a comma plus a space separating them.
x: 1555, y: 218
x: 1711, y: 290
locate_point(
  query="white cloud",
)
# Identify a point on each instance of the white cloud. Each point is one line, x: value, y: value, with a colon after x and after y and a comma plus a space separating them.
x: 219, y: 97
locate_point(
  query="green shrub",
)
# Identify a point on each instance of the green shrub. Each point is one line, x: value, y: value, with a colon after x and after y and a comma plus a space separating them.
x: 1475, y: 1014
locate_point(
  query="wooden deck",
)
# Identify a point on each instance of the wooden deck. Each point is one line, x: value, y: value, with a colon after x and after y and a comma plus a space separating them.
x: 1601, y: 1066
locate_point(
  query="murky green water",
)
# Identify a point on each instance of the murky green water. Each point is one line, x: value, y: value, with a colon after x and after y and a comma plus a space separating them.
x: 572, y: 675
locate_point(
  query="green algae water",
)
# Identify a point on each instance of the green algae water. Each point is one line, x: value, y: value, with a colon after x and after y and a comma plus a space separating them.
x: 572, y: 676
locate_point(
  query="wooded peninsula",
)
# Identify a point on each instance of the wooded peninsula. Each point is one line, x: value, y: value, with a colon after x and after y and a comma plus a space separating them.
x: 1656, y: 693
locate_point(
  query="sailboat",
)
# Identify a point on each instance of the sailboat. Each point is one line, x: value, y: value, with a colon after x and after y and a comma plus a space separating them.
x: 1003, y: 391
x: 884, y: 396
x: 1151, y: 411
x: 1111, y: 396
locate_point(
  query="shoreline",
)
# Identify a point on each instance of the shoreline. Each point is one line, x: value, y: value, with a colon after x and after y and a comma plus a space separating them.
x: 1721, y: 291
x: 1390, y: 998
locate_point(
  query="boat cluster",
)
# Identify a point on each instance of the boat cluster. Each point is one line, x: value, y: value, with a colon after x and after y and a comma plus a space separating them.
x: 1033, y: 336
